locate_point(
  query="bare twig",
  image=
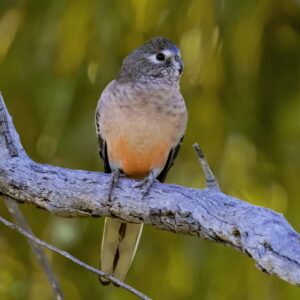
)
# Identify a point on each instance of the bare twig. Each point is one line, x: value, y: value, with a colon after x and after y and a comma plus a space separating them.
x: 20, y: 220
x: 261, y: 233
x: 73, y: 259
x: 211, y: 182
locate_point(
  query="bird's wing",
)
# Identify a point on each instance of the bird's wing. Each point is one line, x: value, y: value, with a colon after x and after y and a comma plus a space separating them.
x: 170, y: 162
x: 102, y: 146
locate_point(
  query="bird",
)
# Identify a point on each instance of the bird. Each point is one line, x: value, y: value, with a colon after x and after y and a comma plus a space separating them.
x: 141, y: 118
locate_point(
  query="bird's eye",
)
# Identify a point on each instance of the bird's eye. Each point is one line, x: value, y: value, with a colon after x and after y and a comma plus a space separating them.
x: 160, y: 56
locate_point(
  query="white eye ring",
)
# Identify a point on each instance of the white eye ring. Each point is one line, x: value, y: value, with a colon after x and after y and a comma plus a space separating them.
x: 153, y: 57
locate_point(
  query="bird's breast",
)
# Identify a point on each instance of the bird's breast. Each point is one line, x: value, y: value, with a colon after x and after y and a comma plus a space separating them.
x: 137, y: 160
x: 139, y: 143
x: 140, y: 129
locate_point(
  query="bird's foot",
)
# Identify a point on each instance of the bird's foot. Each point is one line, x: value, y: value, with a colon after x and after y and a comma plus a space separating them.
x: 115, y: 175
x: 147, y: 183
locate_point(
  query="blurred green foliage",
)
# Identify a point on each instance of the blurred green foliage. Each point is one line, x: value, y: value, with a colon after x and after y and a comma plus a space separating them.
x: 242, y: 88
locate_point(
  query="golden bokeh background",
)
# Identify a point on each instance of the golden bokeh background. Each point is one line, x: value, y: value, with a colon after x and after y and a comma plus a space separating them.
x: 242, y: 88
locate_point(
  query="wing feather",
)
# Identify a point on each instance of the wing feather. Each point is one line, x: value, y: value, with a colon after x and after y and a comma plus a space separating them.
x: 102, y: 146
x: 170, y: 162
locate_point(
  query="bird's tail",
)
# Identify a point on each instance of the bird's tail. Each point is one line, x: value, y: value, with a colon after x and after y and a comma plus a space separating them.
x: 119, y: 244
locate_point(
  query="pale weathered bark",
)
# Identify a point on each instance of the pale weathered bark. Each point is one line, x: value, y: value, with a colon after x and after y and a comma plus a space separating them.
x: 261, y: 233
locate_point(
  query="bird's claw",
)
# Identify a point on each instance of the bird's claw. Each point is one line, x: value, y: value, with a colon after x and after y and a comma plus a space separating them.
x: 115, y: 175
x: 146, y: 184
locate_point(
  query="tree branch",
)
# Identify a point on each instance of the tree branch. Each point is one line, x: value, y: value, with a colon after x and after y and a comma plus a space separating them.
x: 20, y: 220
x: 211, y: 182
x: 261, y: 233
x: 67, y: 255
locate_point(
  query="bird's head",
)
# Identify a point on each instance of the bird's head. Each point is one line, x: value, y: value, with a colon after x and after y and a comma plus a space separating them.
x: 157, y: 60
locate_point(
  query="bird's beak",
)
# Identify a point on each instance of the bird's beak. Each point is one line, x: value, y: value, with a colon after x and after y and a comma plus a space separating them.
x: 180, y: 68
x: 179, y: 63
x: 174, y: 59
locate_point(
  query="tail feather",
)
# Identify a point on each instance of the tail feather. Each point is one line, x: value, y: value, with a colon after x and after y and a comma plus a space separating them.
x: 119, y: 244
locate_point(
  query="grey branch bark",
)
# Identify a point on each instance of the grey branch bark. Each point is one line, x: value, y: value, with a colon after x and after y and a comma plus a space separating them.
x: 261, y: 233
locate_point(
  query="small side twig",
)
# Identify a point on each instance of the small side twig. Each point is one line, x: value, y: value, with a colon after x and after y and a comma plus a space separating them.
x: 20, y: 220
x: 211, y: 182
x: 74, y: 259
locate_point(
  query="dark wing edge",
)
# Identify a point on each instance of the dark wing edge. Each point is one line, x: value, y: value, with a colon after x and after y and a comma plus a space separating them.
x: 170, y: 162
x: 102, y: 146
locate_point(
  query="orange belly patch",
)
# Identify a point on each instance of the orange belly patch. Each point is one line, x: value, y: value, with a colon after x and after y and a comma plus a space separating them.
x: 135, y: 161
